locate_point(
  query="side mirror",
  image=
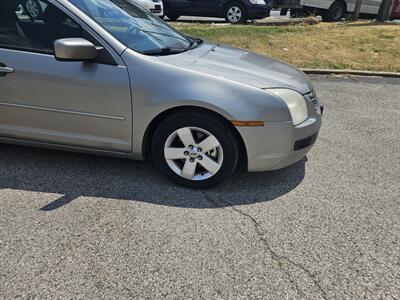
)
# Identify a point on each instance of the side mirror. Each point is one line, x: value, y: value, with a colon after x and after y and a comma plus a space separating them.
x: 75, y: 49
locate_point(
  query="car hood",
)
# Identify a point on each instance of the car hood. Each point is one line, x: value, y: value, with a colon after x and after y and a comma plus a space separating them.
x: 241, y: 66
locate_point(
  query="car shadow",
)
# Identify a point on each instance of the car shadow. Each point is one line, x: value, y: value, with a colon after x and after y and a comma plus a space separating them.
x: 74, y: 175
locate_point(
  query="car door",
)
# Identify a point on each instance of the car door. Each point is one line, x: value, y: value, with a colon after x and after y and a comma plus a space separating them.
x: 173, y: 6
x: 85, y: 104
x: 210, y: 8
x: 185, y: 7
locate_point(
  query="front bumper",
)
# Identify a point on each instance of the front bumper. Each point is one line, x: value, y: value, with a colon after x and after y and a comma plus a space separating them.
x: 279, y: 144
x: 257, y: 11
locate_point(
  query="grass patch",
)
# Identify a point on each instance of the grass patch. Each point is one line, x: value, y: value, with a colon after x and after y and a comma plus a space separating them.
x: 358, y: 46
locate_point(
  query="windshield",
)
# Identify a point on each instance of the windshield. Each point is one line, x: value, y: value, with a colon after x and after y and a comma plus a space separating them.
x: 135, y: 27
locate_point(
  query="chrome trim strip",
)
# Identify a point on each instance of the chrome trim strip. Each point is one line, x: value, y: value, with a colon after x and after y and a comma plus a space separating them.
x: 63, y: 111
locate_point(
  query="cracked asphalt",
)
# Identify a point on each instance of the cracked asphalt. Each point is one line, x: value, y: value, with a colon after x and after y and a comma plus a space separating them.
x: 328, y: 227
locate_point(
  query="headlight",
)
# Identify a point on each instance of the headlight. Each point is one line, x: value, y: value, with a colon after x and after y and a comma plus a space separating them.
x: 295, y: 102
x: 262, y: 2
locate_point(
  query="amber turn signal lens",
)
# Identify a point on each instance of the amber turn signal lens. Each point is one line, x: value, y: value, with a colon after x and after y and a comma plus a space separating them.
x: 248, y: 123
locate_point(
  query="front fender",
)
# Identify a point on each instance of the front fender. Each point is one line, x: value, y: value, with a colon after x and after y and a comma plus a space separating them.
x: 157, y: 86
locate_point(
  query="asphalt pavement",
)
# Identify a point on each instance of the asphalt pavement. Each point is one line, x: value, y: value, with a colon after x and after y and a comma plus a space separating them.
x: 328, y: 227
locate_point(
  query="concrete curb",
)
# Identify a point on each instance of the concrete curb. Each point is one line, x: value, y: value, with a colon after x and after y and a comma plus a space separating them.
x: 351, y: 72
x: 262, y: 22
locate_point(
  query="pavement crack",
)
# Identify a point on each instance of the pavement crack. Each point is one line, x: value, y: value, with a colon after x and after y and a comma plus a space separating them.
x: 280, y: 259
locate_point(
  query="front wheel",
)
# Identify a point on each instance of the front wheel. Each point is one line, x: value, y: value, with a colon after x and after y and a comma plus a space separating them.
x: 235, y: 13
x: 335, y: 13
x: 195, y: 150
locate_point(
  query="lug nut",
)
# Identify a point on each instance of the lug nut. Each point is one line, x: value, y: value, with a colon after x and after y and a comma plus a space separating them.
x: 186, y: 153
x: 199, y: 149
x: 200, y: 157
x: 191, y: 160
x: 190, y: 147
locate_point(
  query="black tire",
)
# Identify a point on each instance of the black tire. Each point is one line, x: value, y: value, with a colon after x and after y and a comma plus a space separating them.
x: 239, y: 6
x: 207, y: 122
x: 335, y: 13
x: 173, y: 17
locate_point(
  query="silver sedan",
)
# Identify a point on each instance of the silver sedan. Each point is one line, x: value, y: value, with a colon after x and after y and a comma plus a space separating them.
x: 107, y: 77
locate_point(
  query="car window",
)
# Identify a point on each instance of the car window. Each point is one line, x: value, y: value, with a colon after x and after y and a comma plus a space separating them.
x: 133, y: 26
x: 34, y: 25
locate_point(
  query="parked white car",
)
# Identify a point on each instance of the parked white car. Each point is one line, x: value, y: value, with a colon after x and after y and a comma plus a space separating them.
x: 156, y: 7
x: 35, y: 10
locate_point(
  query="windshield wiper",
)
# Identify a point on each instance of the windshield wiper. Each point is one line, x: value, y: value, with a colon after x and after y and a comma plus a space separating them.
x: 164, y: 34
x: 194, y: 42
x: 163, y: 51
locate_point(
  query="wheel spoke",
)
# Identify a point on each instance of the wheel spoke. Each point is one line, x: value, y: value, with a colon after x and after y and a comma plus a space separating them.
x: 186, y: 136
x: 174, y: 153
x: 184, y: 159
x: 189, y: 168
x: 210, y: 165
x: 209, y: 143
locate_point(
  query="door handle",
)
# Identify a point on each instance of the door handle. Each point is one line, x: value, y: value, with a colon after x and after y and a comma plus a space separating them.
x: 4, y: 70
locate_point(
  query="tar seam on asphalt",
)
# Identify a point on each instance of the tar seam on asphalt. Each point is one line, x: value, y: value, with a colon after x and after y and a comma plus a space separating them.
x: 278, y: 258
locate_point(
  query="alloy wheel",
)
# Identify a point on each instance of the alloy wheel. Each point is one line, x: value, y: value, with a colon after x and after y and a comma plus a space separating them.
x: 33, y: 8
x: 193, y: 153
x: 234, y: 14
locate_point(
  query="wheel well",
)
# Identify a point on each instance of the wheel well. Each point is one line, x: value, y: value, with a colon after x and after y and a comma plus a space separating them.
x: 234, y: 1
x: 152, y: 127
x: 340, y: 1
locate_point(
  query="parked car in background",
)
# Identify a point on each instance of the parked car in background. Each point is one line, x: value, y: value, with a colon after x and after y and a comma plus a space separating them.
x: 34, y: 9
x: 234, y: 11
x: 329, y: 10
x: 335, y: 10
x: 153, y: 6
